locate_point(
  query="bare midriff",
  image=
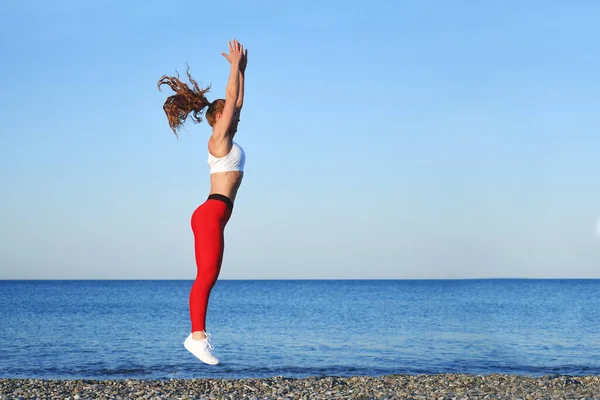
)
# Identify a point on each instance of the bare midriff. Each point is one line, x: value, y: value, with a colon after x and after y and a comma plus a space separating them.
x: 226, y: 183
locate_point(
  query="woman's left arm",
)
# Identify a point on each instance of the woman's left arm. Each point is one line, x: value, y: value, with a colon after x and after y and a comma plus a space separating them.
x: 240, y: 99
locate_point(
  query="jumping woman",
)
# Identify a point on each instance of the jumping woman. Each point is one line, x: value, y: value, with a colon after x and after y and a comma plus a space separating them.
x: 226, y: 165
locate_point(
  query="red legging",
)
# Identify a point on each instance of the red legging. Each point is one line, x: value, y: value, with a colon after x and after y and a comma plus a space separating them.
x: 208, y: 224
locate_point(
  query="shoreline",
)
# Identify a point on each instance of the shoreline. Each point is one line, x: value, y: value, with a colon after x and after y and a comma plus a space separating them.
x: 435, y: 386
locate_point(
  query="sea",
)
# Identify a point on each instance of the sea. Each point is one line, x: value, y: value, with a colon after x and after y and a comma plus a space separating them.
x: 110, y: 329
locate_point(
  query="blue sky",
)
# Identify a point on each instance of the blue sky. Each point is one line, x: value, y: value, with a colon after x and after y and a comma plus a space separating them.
x: 385, y: 139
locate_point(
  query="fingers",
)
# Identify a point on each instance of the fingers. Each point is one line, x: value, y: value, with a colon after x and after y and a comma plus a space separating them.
x: 236, y: 46
x: 236, y: 51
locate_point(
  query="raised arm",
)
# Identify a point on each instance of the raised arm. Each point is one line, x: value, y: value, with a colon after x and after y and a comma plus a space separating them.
x: 240, y: 99
x: 221, y: 128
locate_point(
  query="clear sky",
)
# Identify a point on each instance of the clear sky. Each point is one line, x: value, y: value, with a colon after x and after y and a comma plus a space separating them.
x: 384, y: 139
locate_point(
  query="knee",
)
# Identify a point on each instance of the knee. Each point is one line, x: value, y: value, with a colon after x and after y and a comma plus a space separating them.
x: 203, y: 284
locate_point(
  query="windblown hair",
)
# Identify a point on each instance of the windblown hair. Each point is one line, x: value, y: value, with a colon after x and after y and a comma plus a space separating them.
x: 185, y: 101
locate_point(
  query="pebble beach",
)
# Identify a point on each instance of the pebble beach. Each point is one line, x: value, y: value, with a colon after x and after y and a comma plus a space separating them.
x: 440, y: 387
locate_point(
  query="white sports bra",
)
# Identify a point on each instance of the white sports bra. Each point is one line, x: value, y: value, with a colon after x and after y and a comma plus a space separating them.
x: 233, y: 161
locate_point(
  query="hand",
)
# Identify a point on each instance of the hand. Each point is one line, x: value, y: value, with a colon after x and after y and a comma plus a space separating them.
x: 236, y: 54
x: 244, y: 61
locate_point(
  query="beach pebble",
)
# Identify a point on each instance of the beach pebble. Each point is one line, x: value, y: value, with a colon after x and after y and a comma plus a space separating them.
x: 440, y: 387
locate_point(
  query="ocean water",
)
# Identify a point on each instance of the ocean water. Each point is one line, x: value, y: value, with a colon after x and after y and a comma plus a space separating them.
x: 135, y: 329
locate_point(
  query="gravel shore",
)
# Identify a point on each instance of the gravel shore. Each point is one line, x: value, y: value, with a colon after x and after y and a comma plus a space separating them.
x: 444, y: 386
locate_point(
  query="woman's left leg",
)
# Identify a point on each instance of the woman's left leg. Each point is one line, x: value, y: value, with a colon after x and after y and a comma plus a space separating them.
x: 209, y: 244
x: 208, y: 225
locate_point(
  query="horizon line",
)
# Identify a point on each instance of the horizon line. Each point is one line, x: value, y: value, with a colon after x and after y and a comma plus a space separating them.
x: 295, y: 279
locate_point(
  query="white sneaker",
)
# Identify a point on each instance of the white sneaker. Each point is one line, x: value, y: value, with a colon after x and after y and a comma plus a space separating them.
x: 202, y: 349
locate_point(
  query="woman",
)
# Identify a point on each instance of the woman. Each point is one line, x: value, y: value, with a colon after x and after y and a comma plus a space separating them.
x: 226, y: 165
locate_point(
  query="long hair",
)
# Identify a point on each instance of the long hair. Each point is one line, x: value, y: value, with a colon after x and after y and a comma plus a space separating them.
x: 184, y: 102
